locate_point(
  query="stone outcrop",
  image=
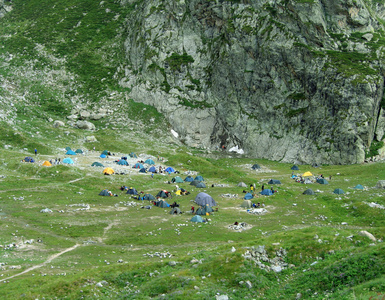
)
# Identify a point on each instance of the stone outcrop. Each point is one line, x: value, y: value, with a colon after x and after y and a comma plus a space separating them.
x: 289, y: 81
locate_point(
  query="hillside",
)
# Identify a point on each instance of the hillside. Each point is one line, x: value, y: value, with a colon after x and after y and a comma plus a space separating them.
x: 293, y: 81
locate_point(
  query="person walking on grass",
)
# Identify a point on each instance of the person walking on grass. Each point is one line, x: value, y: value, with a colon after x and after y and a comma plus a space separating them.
x: 35, y: 151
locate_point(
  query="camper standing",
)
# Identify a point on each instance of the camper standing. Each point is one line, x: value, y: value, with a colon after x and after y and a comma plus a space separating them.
x: 35, y: 151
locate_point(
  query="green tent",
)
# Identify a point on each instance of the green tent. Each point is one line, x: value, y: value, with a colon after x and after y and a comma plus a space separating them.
x: 105, y: 152
x: 177, y: 179
x: 97, y: 164
x: 338, y: 191
x: 79, y: 151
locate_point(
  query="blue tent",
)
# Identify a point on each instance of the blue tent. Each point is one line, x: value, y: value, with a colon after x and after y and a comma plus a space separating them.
x: 338, y: 191
x: 133, y: 155
x: 152, y: 169
x: 274, y: 181
x: 143, y: 170
x: 359, y: 187
x: 148, y: 197
x: 97, y: 164
x: 169, y: 170
x: 149, y: 162
x: 68, y: 161
x: 29, y: 159
x: 248, y: 196
x: 322, y: 181
x: 122, y: 162
x: 68, y: 148
x: 70, y: 152
x: 138, y: 166
x: 266, y: 192
x: 189, y: 179
x: 255, y: 167
x: 103, y: 155
x: 197, y: 219
x: 132, y: 191
x: 203, y: 199
x: 200, y: 185
x: 162, y: 203
x: 295, y: 168
x: 199, y: 177
x: 105, y: 152
x: 79, y: 151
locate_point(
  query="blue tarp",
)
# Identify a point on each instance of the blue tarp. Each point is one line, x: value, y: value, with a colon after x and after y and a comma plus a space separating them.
x: 103, y: 156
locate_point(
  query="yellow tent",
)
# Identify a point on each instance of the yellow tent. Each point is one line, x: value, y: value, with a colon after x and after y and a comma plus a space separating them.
x: 47, y: 164
x: 307, y: 174
x: 178, y: 192
x: 108, y: 171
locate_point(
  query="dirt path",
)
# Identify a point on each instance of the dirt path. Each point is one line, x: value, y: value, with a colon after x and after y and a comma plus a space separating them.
x: 52, y: 257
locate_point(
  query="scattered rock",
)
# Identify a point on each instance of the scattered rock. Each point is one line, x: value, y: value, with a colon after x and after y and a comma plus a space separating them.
x: 368, y: 235
x: 85, y: 125
x: 58, y: 124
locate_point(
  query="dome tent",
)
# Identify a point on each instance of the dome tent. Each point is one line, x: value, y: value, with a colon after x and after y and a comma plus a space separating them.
x: 338, y: 191
x: 29, y: 159
x: 295, y: 168
x: 197, y: 219
x: 68, y: 161
x: 79, y: 151
x: 177, y: 179
x: 189, y: 179
x: 266, y: 192
x: 248, y: 196
x: 274, y: 181
x: 246, y: 204
x: 70, y: 152
x: 132, y: 191
x: 122, y: 162
x: 108, y: 171
x: 149, y: 162
x: 242, y: 184
x: 359, y: 187
x: 97, y: 164
x: 199, y: 177
x: 47, y: 164
x: 256, y: 166
x: 309, y: 192
x: 200, y: 185
x: 203, y: 199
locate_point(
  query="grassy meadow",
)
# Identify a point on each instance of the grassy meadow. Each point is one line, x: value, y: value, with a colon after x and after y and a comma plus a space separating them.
x: 95, y: 247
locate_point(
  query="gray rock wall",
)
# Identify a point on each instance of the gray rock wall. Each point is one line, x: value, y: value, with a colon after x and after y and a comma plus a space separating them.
x: 296, y: 82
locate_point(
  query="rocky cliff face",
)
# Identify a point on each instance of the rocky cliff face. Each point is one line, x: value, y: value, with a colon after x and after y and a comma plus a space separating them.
x: 296, y: 81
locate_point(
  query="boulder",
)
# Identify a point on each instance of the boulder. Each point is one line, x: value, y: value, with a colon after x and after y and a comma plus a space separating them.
x: 380, y: 184
x: 90, y: 139
x: 84, y: 115
x: 58, y: 124
x: 85, y: 125
x: 368, y: 235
